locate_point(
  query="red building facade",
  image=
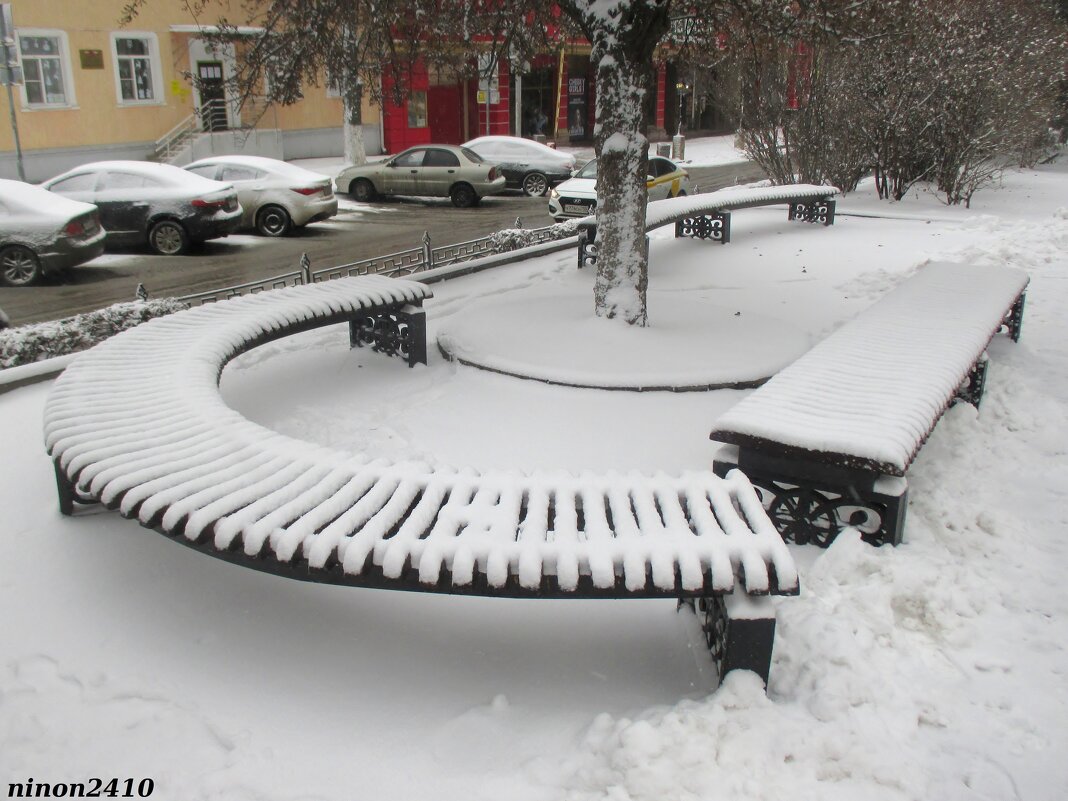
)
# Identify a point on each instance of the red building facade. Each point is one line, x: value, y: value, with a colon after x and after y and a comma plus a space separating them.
x: 554, y: 96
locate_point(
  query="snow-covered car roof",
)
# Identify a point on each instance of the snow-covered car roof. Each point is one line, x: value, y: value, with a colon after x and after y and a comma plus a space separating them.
x: 545, y: 150
x: 164, y: 173
x: 25, y: 197
x: 281, y: 168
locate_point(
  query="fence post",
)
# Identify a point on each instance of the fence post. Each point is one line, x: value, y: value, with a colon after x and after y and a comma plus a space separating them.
x: 305, y: 269
x: 428, y: 252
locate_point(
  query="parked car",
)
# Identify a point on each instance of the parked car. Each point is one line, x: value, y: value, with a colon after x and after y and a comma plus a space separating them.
x: 41, y: 233
x: 526, y: 164
x: 158, y: 204
x: 427, y: 170
x: 275, y: 196
x: 578, y: 197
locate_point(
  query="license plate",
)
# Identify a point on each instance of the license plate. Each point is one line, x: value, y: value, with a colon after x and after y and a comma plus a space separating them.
x: 575, y: 208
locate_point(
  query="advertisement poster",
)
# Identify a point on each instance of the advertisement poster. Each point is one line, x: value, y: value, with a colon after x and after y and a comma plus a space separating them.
x: 576, y: 108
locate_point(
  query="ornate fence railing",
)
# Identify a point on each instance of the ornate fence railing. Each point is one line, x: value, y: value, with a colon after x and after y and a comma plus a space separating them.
x: 402, y: 263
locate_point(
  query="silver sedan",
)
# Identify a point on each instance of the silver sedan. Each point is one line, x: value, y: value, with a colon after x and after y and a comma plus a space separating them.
x: 275, y: 196
x: 428, y: 171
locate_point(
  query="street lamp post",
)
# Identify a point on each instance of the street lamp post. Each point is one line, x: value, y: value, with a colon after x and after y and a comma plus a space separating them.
x: 678, y: 142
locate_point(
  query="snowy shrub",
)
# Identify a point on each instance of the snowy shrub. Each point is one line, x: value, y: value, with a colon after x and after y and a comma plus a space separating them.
x: 950, y: 92
x: 32, y: 343
x: 511, y: 239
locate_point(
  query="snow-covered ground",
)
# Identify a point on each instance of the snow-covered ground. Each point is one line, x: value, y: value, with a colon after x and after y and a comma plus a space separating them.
x: 934, y: 670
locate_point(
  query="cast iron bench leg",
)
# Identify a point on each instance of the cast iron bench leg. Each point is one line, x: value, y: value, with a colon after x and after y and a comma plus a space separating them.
x: 1014, y: 319
x: 971, y: 391
x: 587, y: 248
x: 810, y: 503
x: 401, y: 332
x: 739, y: 630
x: 813, y: 211
x: 716, y: 227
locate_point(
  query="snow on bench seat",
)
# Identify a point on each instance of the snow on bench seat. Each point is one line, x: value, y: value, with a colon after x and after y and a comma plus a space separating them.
x: 707, y: 215
x: 868, y: 395
x: 138, y: 424
x: 663, y: 212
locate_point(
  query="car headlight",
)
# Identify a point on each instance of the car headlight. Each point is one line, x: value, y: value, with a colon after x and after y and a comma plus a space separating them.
x: 554, y: 194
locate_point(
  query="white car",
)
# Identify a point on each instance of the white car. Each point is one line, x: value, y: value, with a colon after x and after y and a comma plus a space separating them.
x: 526, y: 164
x: 275, y: 196
x: 578, y: 197
x: 43, y: 233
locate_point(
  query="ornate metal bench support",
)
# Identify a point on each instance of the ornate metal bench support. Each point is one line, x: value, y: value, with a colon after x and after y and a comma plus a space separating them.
x: 716, y: 227
x: 1014, y: 319
x: 971, y: 391
x: 401, y: 332
x: 587, y: 248
x: 68, y: 493
x: 813, y: 211
x: 739, y: 630
x: 811, y: 502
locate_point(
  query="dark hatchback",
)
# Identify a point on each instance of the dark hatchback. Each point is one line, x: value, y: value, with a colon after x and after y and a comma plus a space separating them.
x: 525, y: 164
x: 162, y: 206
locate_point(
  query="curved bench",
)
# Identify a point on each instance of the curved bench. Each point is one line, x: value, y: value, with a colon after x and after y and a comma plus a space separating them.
x: 708, y: 215
x: 138, y: 424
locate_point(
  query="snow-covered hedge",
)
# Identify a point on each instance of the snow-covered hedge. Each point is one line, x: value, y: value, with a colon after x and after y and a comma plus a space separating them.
x: 515, y: 238
x: 32, y: 343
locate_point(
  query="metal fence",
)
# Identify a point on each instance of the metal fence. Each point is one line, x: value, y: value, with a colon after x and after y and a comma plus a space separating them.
x: 402, y: 263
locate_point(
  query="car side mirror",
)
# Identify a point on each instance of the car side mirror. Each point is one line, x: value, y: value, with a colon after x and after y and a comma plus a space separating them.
x: 391, y: 164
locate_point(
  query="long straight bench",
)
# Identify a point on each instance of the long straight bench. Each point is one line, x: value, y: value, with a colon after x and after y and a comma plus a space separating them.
x: 708, y: 215
x: 828, y: 440
x: 138, y: 424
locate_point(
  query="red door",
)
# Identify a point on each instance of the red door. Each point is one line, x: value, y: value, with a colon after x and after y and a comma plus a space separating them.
x: 444, y: 107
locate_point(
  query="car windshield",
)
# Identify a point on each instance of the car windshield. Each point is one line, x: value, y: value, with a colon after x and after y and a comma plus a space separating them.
x: 471, y: 155
x: 589, y: 171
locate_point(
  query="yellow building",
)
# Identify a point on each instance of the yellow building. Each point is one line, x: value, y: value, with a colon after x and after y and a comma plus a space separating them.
x: 95, y: 90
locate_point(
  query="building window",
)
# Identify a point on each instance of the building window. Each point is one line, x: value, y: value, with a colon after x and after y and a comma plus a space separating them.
x: 137, y: 68
x: 417, y: 110
x: 46, y: 68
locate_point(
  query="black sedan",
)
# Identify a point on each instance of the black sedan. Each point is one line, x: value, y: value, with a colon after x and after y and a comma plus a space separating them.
x: 142, y: 202
x: 525, y: 164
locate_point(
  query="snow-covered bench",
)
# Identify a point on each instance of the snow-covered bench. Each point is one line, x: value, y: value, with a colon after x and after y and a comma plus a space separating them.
x: 138, y: 424
x: 828, y: 440
x: 708, y: 216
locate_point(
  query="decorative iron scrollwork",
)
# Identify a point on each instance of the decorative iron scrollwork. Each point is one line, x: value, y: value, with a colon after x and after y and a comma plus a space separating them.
x: 810, y: 515
x: 1013, y: 321
x: 716, y: 227
x: 813, y: 211
x: 395, y: 333
x: 971, y: 391
x: 587, y: 248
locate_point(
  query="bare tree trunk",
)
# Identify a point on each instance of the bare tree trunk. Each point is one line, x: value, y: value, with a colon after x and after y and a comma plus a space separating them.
x: 355, y: 152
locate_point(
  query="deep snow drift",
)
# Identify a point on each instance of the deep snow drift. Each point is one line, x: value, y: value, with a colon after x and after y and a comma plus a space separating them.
x: 934, y: 670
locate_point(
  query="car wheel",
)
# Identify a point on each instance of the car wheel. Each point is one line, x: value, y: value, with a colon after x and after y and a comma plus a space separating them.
x: 362, y: 190
x: 168, y: 238
x: 19, y: 266
x: 535, y: 184
x: 463, y: 196
x: 273, y: 221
